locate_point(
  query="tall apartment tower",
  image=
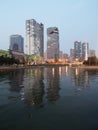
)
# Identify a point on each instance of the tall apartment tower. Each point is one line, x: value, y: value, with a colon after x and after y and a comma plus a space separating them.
x: 16, y: 43
x: 77, y: 49
x: 34, y: 38
x: 53, y: 43
x: 85, y: 51
x: 72, y: 55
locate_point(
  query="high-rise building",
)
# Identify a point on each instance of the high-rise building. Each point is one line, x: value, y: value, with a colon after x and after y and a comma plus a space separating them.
x: 16, y: 43
x: 71, y: 55
x: 65, y: 56
x: 85, y: 51
x: 34, y: 38
x: 61, y: 54
x: 53, y: 43
x: 77, y: 49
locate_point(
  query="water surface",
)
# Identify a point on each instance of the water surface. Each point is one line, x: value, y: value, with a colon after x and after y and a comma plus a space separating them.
x: 49, y: 98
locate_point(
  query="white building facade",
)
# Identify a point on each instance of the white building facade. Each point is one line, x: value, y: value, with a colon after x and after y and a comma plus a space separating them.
x: 34, y: 38
x: 85, y: 50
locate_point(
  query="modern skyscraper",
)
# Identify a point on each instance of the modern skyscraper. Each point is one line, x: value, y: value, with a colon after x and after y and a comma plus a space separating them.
x: 61, y: 54
x: 72, y: 55
x: 53, y: 43
x: 16, y: 43
x: 85, y: 50
x: 34, y: 38
x: 77, y: 49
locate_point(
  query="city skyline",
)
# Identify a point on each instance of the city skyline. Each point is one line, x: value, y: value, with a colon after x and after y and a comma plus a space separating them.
x: 76, y: 20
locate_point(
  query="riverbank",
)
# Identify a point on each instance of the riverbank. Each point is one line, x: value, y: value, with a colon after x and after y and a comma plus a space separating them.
x: 13, y: 67
x: 88, y: 67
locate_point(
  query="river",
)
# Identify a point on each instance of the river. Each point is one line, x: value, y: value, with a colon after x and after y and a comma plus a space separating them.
x: 49, y: 98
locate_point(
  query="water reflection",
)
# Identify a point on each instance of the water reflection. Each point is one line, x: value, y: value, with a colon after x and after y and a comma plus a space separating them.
x: 79, y: 78
x: 53, y: 87
x: 34, y: 86
x: 16, y: 80
x: 38, y: 85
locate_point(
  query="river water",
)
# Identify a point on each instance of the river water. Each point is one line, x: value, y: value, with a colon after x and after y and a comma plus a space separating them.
x: 49, y: 98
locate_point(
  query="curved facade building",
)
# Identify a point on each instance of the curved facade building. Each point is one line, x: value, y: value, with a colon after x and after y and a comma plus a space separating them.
x: 53, y: 43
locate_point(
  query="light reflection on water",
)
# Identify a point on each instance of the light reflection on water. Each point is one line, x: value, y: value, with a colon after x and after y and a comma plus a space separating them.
x: 49, y: 98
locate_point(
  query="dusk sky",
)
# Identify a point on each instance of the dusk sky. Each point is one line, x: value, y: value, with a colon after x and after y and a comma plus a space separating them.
x: 76, y: 20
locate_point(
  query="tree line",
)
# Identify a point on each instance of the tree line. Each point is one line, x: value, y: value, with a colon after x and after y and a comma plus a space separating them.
x: 8, y: 60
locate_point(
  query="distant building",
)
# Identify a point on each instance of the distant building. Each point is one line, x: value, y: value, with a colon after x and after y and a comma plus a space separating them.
x: 77, y: 49
x: 65, y: 56
x: 16, y: 47
x: 53, y: 43
x: 16, y: 43
x: 92, y: 53
x: 85, y: 51
x: 60, y: 54
x: 72, y: 55
x: 34, y: 38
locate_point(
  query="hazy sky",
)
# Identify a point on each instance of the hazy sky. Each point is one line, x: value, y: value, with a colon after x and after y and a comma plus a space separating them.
x: 76, y: 20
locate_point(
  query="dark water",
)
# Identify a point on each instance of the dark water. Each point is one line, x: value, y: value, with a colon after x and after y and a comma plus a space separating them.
x: 49, y: 98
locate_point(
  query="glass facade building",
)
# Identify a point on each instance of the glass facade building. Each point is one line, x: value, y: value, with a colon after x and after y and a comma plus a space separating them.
x: 85, y: 51
x: 53, y: 43
x: 77, y: 49
x: 34, y: 38
x: 16, y: 43
x: 72, y: 55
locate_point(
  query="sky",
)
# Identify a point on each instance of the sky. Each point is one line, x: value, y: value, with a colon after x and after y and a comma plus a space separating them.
x: 75, y: 19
